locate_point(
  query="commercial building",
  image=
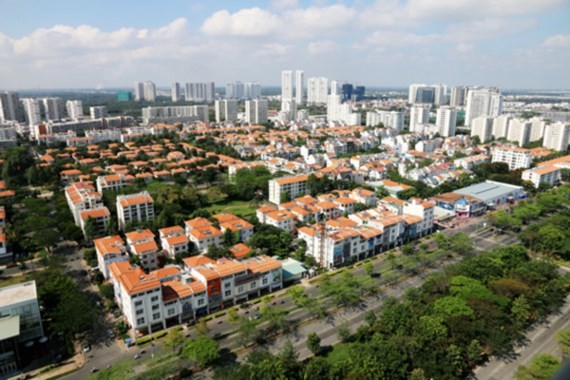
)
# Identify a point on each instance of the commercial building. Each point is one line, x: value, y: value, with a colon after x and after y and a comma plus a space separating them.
x: 516, y: 158
x: 134, y: 208
x: 493, y: 193
x: 20, y: 324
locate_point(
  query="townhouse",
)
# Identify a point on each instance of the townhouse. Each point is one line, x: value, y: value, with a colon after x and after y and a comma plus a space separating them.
x: 141, y: 244
x: 110, y: 249
x: 134, y: 208
x: 202, y: 233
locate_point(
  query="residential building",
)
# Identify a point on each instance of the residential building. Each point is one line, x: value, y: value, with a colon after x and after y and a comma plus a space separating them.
x: 114, y: 182
x: 421, y: 93
x: 74, y: 109
x: 134, y: 208
x: 419, y: 117
x: 226, y: 110
x: 110, y: 249
x: 458, y: 96
x: 53, y: 109
x: 172, y: 114
x: 202, y: 233
x: 101, y: 216
x: 256, y: 111
x: 289, y: 109
x: 32, y: 111
x: 299, y: 87
x: 471, y: 162
x: 557, y: 136
x: 235, y: 90
x: 149, y: 90
x: 548, y: 174
x: 519, y: 131
x: 239, y: 227
x: 139, y: 91
x: 446, y: 121
x: 292, y: 186
x: 82, y: 196
x: 282, y: 219
x: 10, y: 107
x: 482, y: 127
x: 98, y: 112
x: 537, y: 128
x: 287, y: 85
x: 516, y: 158
x: 200, y: 92
x: 21, y: 323
x: 389, y: 119
x: 141, y: 244
x: 501, y: 126
x: 175, y: 93
x: 173, y: 240
x: 482, y: 102
x: 424, y: 210
x: 317, y: 90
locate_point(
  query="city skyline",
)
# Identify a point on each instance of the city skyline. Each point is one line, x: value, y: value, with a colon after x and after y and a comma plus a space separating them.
x: 389, y: 43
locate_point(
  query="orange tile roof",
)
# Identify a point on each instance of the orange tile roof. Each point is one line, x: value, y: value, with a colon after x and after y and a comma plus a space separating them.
x: 541, y: 170
x: 227, y: 267
x: 177, y: 240
x: 225, y: 217
x: 262, y: 264
x: 133, y: 280
x: 326, y: 205
x: 109, y: 245
x: 149, y: 246
x: 208, y: 274
x: 197, y: 223
x: 196, y: 261
x: 288, y: 180
x: 393, y: 200
x: 136, y: 236
x: 266, y: 209
x: 174, y: 230
x: 345, y: 201
x: 165, y: 272
x: 95, y: 213
x: 134, y: 200
x: 205, y: 232
x: 307, y: 231
x: 280, y: 215
x: 236, y: 225
x: 239, y: 251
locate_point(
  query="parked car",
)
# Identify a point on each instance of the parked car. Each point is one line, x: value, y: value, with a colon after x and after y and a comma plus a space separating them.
x: 86, y: 348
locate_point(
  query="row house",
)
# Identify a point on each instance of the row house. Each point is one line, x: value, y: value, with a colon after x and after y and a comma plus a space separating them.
x: 110, y: 249
x: 134, y: 208
x: 202, y: 233
x: 82, y: 196
x: 173, y: 240
x: 142, y: 245
x: 241, y: 228
x: 114, y: 182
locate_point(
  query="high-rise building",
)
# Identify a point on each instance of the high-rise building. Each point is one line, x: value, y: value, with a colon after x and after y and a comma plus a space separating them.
x: 53, y: 108
x: 458, y: 95
x: 226, y: 110
x: 289, y: 107
x: 124, y: 96
x: 32, y: 111
x: 440, y: 94
x: 139, y: 91
x: 98, y: 112
x: 346, y: 92
x: 519, y: 131
x: 256, y: 111
x: 317, y: 90
x: 556, y: 136
x: 299, y: 87
x: 235, y: 90
x: 10, y: 107
x: 390, y: 119
x: 483, y: 102
x: 252, y: 90
x: 287, y: 85
x: 446, y: 120
x: 501, y: 126
x: 537, y: 128
x: 175, y: 93
x: 74, y: 109
x: 358, y: 93
x: 200, y: 92
x: 482, y: 127
x: 338, y: 112
x: 149, y: 91
x: 419, y: 117
x: 335, y: 87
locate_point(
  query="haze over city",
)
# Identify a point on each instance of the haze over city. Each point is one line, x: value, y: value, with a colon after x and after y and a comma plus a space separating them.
x: 69, y: 44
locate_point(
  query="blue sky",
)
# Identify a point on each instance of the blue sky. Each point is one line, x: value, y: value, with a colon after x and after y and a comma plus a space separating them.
x: 61, y: 43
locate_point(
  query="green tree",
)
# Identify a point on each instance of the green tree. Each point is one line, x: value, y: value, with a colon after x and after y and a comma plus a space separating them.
x: 563, y: 338
x: 542, y: 367
x: 343, y: 331
x: 369, y: 268
x: 107, y: 291
x: 90, y: 228
x: 203, y: 350
x: 370, y: 317
x: 314, y: 343
x: 202, y: 327
x: 418, y: 374
x: 174, y: 339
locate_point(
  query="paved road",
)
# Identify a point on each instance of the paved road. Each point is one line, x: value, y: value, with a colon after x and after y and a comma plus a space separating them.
x: 540, y: 340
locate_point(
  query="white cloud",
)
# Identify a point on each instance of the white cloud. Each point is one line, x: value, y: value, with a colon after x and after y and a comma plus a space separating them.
x: 491, y: 27
x: 284, y: 4
x: 391, y: 38
x: 274, y: 50
x: 322, y: 47
x: 557, y: 41
x: 463, y: 48
x: 251, y: 22
x: 310, y: 21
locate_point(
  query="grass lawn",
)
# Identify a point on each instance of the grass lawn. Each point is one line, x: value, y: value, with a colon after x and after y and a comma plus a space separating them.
x: 7, y: 281
x: 119, y: 370
x: 239, y: 208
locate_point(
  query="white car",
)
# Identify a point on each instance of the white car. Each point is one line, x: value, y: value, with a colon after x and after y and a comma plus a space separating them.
x: 86, y: 348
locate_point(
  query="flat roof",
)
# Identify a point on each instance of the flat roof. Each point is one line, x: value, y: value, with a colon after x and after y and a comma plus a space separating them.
x: 488, y: 190
x: 292, y: 267
x: 14, y: 294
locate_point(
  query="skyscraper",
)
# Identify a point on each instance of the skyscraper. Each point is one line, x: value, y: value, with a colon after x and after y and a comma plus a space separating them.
x: 149, y: 91
x: 53, y: 108
x: 519, y: 131
x: 139, y: 91
x: 235, y: 90
x: 10, y: 107
x: 346, y: 92
x: 32, y: 111
x: 317, y: 90
x: 175, y: 93
x: 457, y: 97
x: 256, y: 111
x: 287, y: 85
x: 482, y: 127
x: 299, y: 86
x: 556, y: 136
x: 200, y: 92
x: 419, y: 117
x: 252, y: 90
x: 482, y: 102
x: 446, y: 120
x: 74, y: 109
x: 335, y: 87
x: 226, y: 110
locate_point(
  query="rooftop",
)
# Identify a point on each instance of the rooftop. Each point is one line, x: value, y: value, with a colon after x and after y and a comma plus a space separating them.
x: 10, y: 295
x: 488, y: 190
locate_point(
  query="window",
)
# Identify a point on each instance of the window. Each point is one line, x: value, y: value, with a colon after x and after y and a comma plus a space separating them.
x: 253, y: 284
x: 171, y: 311
x: 138, y: 303
x: 140, y: 311
x: 140, y: 321
x: 200, y: 302
x: 154, y: 298
x: 240, y: 289
x: 227, y: 284
x: 264, y: 281
x: 156, y: 316
x: 228, y: 293
x: 155, y: 307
